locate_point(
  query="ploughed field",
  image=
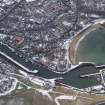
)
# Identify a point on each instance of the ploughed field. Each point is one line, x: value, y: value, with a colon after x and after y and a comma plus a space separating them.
x: 92, y: 48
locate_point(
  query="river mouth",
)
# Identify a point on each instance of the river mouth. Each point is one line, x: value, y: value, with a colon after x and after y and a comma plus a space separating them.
x: 88, y: 46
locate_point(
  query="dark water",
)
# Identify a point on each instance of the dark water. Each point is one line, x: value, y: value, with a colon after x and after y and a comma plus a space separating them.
x: 70, y: 78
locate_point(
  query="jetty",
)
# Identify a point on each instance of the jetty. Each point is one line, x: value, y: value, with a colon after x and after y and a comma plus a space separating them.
x: 17, y: 63
x: 89, y: 75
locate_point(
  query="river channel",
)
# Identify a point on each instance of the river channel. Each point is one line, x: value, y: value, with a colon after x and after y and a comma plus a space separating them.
x: 71, y: 78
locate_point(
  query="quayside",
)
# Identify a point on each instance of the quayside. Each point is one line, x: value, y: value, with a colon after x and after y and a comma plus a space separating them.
x: 71, y: 78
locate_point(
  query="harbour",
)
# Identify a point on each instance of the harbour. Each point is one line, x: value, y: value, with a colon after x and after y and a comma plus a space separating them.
x: 71, y: 78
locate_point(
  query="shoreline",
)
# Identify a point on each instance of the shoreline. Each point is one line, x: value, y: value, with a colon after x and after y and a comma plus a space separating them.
x: 75, y: 41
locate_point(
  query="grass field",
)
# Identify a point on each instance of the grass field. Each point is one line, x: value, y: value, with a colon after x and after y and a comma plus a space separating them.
x: 33, y: 97
x: 92, y: 48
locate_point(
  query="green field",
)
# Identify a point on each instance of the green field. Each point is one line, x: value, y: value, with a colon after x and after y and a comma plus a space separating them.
x: 92, y: 48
